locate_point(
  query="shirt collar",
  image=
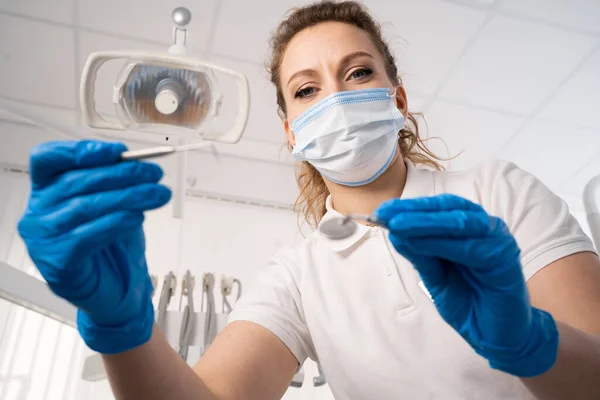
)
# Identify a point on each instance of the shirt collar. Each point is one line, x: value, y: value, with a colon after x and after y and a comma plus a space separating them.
x: 419, y: 183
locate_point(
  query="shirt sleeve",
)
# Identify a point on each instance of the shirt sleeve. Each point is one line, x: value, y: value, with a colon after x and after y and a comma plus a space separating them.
x: 274, y: 302
x: 540, y: 220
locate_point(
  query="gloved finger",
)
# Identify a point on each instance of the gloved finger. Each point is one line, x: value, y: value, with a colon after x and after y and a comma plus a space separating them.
x: 85, y: 181
x: 433, y: 271
x: 79, y: 210
x: 456, y: 223
x: 56, y: 258
x: 445, y: 202
x: 98, y: 233
x: 49, y: 159
x: 483, y: 255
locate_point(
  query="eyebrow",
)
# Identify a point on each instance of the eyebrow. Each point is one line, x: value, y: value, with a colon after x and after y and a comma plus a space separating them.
x: 345, y: 60
x: 349, y: 57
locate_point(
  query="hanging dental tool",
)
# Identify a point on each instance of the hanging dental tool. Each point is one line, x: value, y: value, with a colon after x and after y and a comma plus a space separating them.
x: 319, y: 380
x: 162, y: 95
x: 227, y: 283
x: 188, y: 319
x: 298, y: 379
x: 210, y: 321
x: 154, y: 280
x: 591, y: 201
x: 168, y: 290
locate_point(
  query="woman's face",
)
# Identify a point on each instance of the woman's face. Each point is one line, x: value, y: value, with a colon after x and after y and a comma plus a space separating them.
x: 327, y: 58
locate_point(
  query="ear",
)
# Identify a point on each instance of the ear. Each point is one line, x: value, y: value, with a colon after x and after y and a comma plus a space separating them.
x: 401, y: 100
x: 289, y: 133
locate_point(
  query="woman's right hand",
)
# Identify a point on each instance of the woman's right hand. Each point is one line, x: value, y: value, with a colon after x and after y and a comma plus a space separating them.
x: 83, y: 230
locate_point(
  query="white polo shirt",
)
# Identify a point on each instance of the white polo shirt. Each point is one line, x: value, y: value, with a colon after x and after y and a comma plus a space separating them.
x: 356, y: 306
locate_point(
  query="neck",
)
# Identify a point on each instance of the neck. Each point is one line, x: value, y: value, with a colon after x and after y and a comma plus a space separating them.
x: 365, y: 199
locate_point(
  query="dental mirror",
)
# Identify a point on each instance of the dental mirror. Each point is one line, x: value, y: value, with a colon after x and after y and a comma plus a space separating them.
x: 342, y: 227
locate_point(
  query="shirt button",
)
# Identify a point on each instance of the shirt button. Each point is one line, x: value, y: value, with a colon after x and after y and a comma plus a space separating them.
x: 388, y: 271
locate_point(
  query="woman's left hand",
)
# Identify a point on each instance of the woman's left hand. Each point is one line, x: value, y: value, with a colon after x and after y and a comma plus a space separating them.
x: 470, y: 264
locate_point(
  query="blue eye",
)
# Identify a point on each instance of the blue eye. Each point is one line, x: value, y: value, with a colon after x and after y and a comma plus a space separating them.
x: 307, y: 91
x: 361, y: 73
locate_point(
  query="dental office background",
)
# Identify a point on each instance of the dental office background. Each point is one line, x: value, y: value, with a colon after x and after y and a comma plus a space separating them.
x: 511, y: 79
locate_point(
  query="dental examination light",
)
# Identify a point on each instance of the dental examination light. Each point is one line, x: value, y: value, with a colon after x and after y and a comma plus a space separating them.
x: 157, y: 95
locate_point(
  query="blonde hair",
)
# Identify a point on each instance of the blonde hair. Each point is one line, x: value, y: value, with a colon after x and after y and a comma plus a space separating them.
x: 313, y: 191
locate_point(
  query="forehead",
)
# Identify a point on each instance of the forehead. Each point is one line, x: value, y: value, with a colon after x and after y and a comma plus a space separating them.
x: 324, y: 44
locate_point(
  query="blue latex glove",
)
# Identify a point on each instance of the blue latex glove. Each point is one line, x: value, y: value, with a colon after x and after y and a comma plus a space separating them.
x: 469, y: 262
x: 83, y: 230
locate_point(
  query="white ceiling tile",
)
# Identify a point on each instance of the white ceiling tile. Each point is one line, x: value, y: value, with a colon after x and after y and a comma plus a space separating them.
x: 552, y: 151
x: 55, y: 10
x: 514, y: 65
x: 416, y: 103
x: 107, y: 74
x: 37, y: 62
x: 148, y: 19
x: 244, y: 27
x: 22, y: 139
x: 31, y: 114
x: 583, y: 14
x: 243, y: 177
x: 427, y: 37
x: 478, y: 2
x: 575, y: 183
x: 478, y: 134
x: 264, y: 124
x: 578, y: 102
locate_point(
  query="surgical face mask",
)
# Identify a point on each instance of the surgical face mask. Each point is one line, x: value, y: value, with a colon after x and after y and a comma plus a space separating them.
x: 350, y: 137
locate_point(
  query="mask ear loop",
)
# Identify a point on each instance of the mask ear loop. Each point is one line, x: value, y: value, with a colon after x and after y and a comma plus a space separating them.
x: 393, y: 93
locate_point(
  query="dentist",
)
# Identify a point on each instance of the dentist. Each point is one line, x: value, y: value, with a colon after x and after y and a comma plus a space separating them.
x: 484, y: 287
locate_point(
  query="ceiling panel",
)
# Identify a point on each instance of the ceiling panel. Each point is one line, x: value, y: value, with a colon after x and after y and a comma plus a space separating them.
x: 30, y: 113
x: 427, y: 37
x: 575, y: 183
x: 244, y: 27
x: 55, y: 10
x: 264, y: 123
x: 552, y: 151
x: 22, y: 139
x: 583, y: 14
x: 514, y: 65
x: 478, y: 3
x: 148, y: 19
x: 36, y: 62
x: 478, y: 134
x: 243, y: 177
x: 416, y: 103
x: 578, y: 102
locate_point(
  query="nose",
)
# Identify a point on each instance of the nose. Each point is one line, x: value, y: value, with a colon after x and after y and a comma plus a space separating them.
x: 334, y: 85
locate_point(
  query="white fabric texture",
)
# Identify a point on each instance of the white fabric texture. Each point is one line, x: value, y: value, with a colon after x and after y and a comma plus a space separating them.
x: 356, y: 306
